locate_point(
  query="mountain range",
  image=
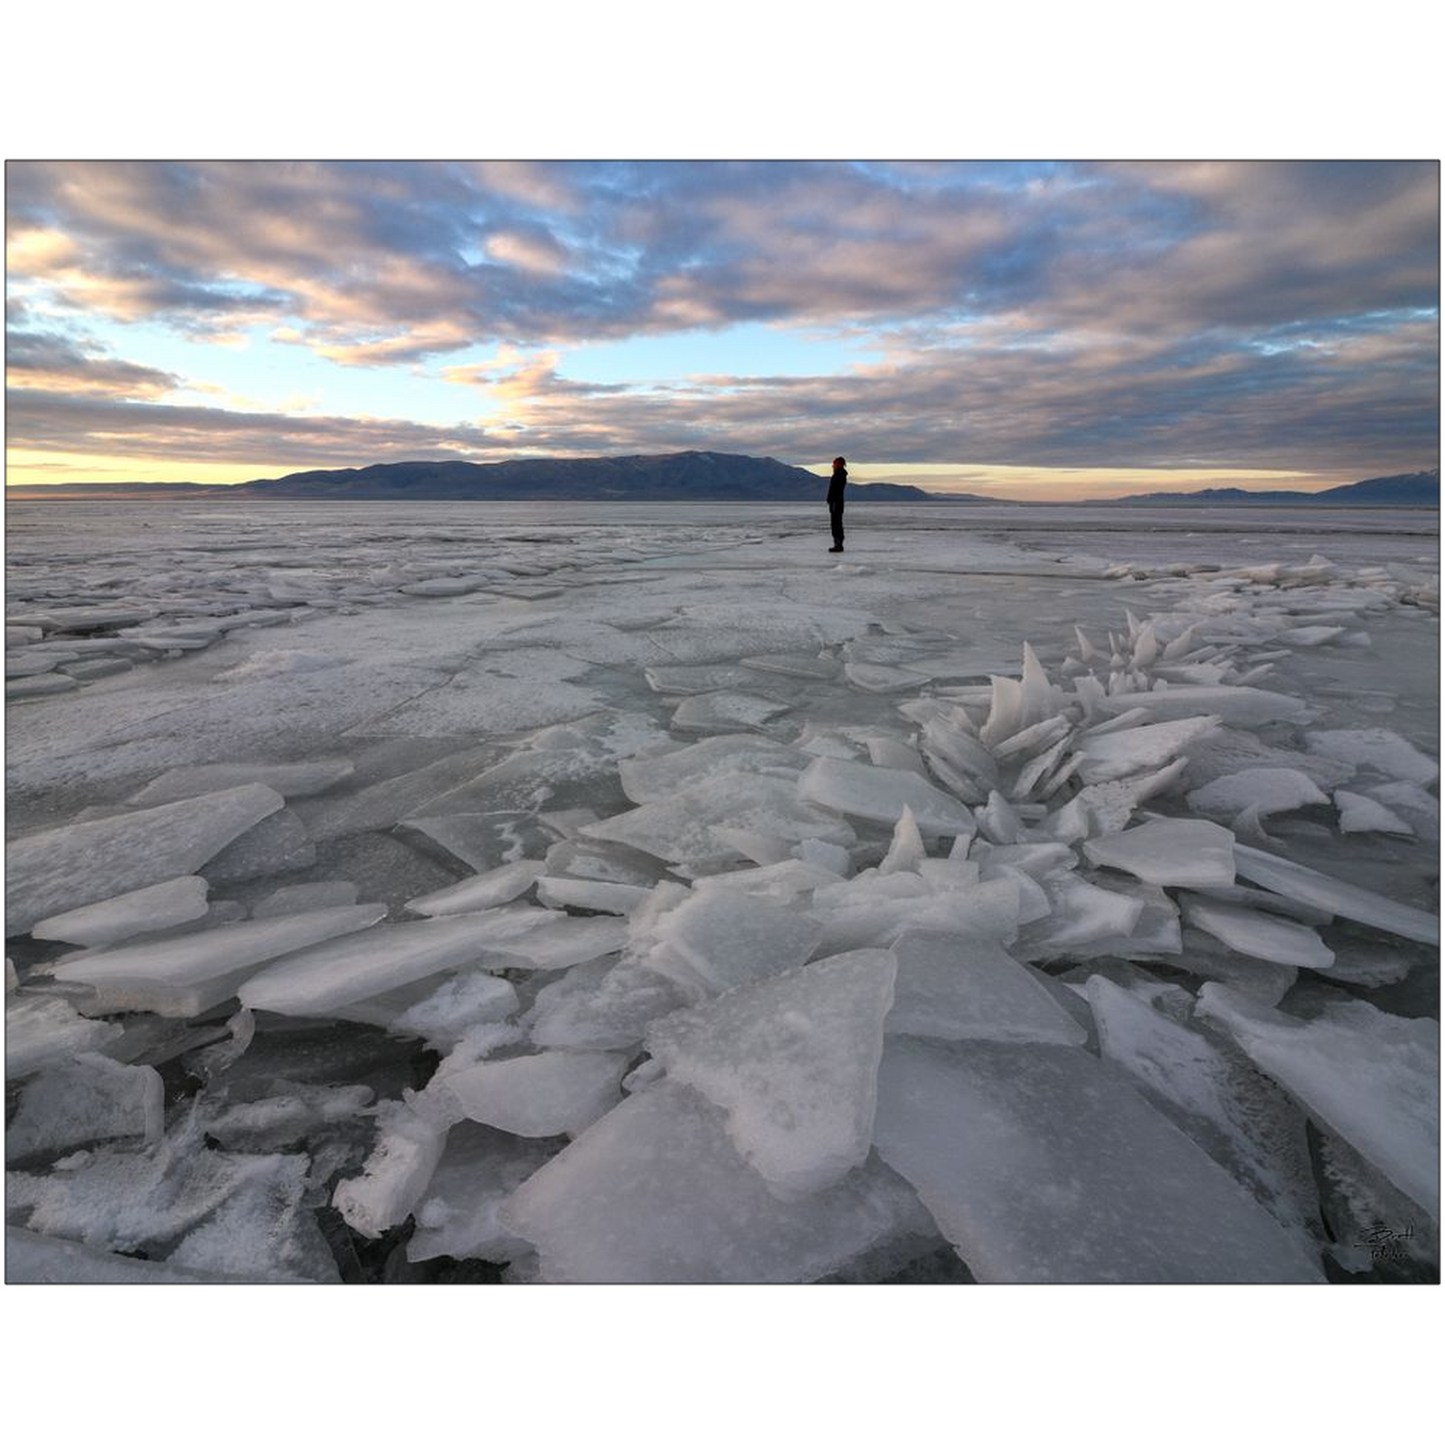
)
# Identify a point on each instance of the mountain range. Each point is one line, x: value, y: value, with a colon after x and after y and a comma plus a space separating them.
x: 677, y: 476
x: 1408, y: 489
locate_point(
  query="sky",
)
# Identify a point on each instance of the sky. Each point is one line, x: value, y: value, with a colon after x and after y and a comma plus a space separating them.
x: 1038, y: 331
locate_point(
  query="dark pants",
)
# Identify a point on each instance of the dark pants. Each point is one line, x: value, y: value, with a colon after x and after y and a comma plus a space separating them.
x: 835, y: 516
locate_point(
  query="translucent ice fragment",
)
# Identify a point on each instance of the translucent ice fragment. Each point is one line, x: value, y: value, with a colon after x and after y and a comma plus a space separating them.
x: 67, y: 868
x: 86, y: 1101
x: 1136, y: 750
x: 539, y: 1095
x: 185, y: 976
x: 955, y: 986
x: 1259, y: 935
x: 655, y: 1192
x: 486, y: 890
x: 1173, y: 852
x: 1267, y: 790
x: 880, y: 795
x: 407, y: 1150
x: 317, y: 980
x: 1039, y: 1163
x: 793, y: 1061
x: 1369, y: 1076
x: 146, y: 910
x: 1378, y: 749
x: 1344, y: 900
x: 291, y: 780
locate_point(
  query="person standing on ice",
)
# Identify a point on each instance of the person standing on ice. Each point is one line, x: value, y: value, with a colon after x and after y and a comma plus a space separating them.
x: 835, y: 501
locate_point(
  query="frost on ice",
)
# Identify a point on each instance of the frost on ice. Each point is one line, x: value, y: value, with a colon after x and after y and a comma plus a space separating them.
x: 739, y: 923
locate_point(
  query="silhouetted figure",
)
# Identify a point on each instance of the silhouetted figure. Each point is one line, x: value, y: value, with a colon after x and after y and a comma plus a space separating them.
x: 835, y: 501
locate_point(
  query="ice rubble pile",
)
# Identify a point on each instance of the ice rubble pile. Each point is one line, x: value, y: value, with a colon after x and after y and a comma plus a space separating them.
x: 1019, y: 987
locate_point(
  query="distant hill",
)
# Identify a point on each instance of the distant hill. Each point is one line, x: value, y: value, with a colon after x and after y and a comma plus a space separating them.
x: 678, y: 476
x: 1408, y: 489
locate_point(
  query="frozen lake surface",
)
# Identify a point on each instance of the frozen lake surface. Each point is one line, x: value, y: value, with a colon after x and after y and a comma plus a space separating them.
x: 609, y: 892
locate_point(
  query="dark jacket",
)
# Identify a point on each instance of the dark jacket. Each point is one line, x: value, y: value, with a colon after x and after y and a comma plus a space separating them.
x: 836, y: 485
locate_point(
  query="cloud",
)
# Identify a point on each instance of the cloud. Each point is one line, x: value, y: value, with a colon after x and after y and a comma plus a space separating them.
x: 1240, y: 313
x: 47, y: 361
x: 39, y: 421
x: 531, y: 250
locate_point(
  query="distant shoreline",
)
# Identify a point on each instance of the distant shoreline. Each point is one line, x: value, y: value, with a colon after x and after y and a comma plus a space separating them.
x: 101, y: 492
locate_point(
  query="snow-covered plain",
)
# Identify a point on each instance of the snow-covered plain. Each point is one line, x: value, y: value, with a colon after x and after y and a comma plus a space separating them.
x: 620, y: 893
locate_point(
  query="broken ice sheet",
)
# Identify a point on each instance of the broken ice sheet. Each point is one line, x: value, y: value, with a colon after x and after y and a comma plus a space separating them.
x: 538, y: 1095
x: 124, y: 1200
x: 185, y: 976
x: 1266, y: 790
x: 1378, y: 749
x: 726, y: 939
x: 407, y: 1149
x: 793, y: 1061
x: 486, y: 890
x: 332, y: 975
x: 607, y: 1010
x: 1360, y: 814
x: 263, y: 1231
x: 953, y: 986
x: 724, y: 712
x: 67, y: 868
x: 590, y: 894
x: 180, y: 900
x: 880, y: 795
x: 37, y: 1259
x: 1257, y: 934
x: 1041, y: 1164
x: 1343, y: 900
x: 1169, y: 851
x: 655, y: 1193
x: 679, y: 829
x: 1371, y: 1077
x: 85, y: 1101
x: 1140, y: 749
x: 444, y: 1014
x: 291, y: 780
x: 479, y: 1170
x: 1239, y: 1118
x: 1236, y: 706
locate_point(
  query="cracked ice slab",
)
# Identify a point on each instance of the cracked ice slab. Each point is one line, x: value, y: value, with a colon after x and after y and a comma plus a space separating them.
x: 726, y: 939
x: 539, y: 1095
x: 1236, y: 1115
x: 1136, y: 750
x: 1237, y: 706
x: 67, y: 868
x: 1343, y: 900
x: 881, y: 794
x: 147, y: 910
x: 656, y: 776
x: 1172, y: 852
x: 87, y: 1100
x: 42, y: 1029
x: 679, y: 829
x: 343, y: 971
x: 185, y: 976
x: 655, y: 1192
x: 793, y: 1061
x: 291, y: 780
x: 1377, y: 748
x: 953, y: 986
x: 1259, y: 935
x: 1369, y: 1076
x: 1040, y: 1164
